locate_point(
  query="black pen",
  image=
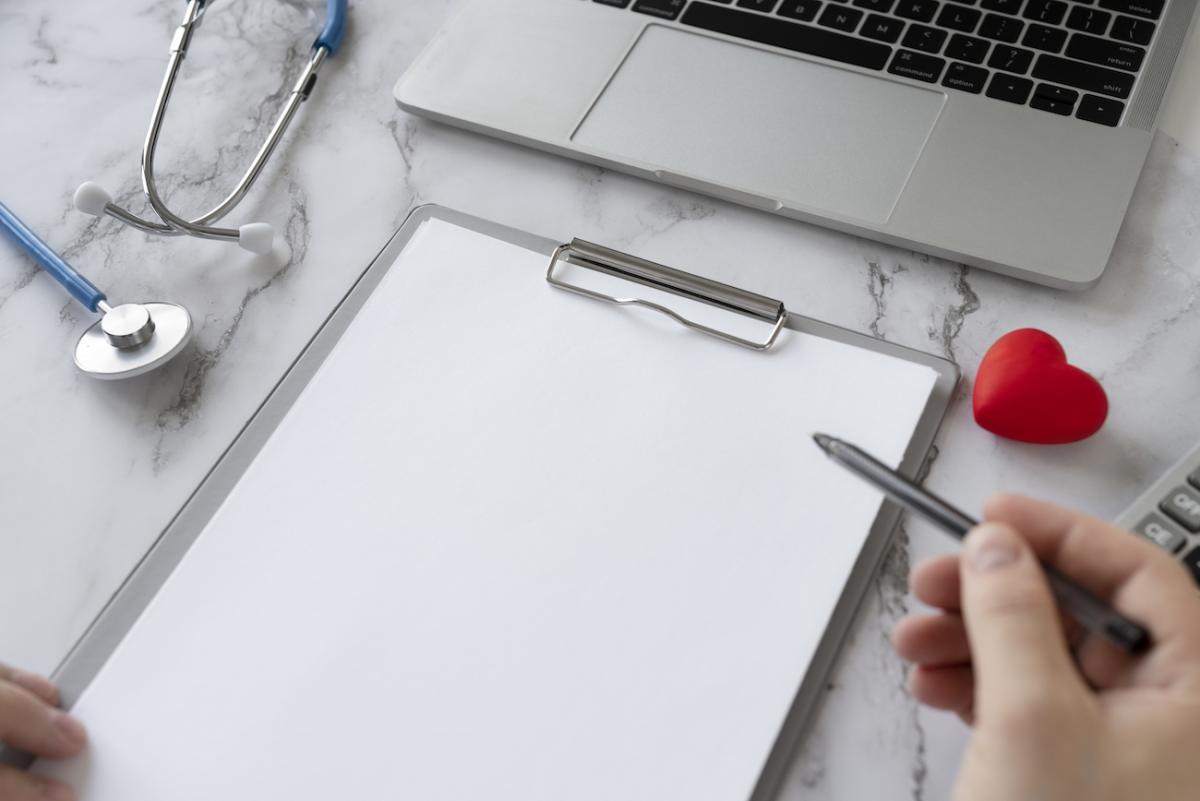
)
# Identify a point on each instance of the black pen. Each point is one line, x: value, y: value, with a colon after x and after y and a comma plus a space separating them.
x: 1092, y: 613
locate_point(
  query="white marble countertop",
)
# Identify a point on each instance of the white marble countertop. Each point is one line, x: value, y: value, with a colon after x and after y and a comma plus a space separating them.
x: 93, y: 471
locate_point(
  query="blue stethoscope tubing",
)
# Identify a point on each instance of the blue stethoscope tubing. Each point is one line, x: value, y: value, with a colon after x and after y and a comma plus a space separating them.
x: 331, y: 35
x: 80, y: 288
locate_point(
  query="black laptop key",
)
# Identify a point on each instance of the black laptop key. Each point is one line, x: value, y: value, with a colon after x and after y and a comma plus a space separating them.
x: 964, y: 2
x: 920, y: 37
x: 1003, y: 6
x: 1150, y: 9
x: 920, y: 10
x: 1103, y: 110
x: 1194, y: 478
x: 959, y: 19
x: 885, y: 29
x: 1053, y: 106
x: 1050, y: 12
x: 663, y: 9
x: 965, y: 78
x: 617, y: 3
x: 1192, y: 560
x: 1056, y: 93
x: 776, y: 32
x: 805, y: 10
x: 1041, y: 37
x: 967, y: 48
x: 878, y: 6
x: 844, y: 19
x: 1088, y: 20
x: 1011, y: 59
x: 1128, y: 29
x: 759, y: 5
x: 1004, y: 29
x: 1010, y: 88
x: 917, y: 65
x: 1083, y: 76
x: 1109, y: 54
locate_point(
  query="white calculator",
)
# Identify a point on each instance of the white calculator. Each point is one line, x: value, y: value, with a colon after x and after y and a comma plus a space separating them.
x: 1169, y: 512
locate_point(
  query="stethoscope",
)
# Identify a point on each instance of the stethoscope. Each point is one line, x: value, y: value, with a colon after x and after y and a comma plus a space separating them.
x: 129, y: 339
x: 133, y: 338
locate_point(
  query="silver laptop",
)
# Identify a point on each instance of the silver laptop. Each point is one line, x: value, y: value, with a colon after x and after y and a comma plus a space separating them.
x: 1007, y: 134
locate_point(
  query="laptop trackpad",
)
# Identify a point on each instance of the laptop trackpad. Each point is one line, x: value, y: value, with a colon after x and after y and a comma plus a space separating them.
x: 794, y: 131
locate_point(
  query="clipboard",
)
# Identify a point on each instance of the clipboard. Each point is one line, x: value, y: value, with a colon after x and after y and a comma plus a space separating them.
x: 102, y: 638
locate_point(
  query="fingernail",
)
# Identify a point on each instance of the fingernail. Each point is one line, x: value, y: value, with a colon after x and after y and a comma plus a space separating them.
x: 70, y: 729
x: 38, y: 685
x: 991, y: 547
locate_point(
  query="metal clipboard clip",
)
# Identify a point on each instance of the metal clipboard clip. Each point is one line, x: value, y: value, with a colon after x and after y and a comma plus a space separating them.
x: 659, y: 276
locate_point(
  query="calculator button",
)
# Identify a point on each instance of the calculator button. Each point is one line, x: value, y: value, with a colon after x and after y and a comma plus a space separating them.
x: 1183, y: 505
x: 1161, y: 533
x: 1192, y: 560
x: 1194, y: 478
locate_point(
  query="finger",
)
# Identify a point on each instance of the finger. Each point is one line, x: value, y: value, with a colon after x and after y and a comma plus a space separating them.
x: 1103, y: 664
x: 17, y: 785
x: 932, y: 640
x: 29, y: 724
x: 1018, y: 650
x: 41, y: 687
x: 935, y: 582
x: 948, y: 688
x: 1133, y: 574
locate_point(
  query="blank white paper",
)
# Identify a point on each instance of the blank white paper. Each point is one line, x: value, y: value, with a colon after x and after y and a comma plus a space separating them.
x: 509, y: 544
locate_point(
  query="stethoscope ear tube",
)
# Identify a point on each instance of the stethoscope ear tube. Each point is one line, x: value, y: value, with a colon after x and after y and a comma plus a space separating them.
x: 80, y: 288
x: 254, y: 237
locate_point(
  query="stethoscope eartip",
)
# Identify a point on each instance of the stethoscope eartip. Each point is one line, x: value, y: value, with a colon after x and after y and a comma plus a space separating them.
x: 256, y: 237
x: 91, y: 198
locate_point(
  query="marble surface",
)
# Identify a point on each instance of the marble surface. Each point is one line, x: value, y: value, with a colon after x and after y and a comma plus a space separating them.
x: 93, y: 471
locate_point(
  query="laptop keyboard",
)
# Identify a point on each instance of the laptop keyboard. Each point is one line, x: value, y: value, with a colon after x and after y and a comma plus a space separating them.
x: 1078, y: 58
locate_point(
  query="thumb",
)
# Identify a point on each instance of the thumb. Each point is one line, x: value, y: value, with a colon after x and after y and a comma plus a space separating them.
x: 1018, y: 649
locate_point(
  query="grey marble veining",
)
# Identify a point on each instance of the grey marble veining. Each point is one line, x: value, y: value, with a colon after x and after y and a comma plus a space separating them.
x: 94, y: 471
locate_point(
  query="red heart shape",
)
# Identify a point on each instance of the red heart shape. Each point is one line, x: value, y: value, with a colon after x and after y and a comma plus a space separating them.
x: 1025, y: 390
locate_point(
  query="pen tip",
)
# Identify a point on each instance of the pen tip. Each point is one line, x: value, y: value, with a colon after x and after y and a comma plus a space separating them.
x: 823, y: 440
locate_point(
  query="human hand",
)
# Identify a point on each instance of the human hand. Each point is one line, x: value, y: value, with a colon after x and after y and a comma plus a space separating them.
x: 1059, y: 714
x: 30, y: 722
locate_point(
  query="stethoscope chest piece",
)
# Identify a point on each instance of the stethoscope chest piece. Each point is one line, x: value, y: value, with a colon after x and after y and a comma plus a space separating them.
x: 132, y: 339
